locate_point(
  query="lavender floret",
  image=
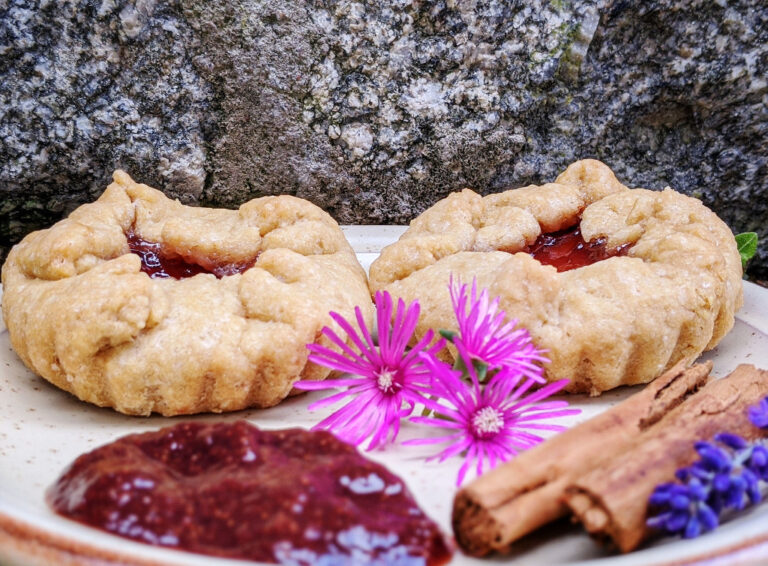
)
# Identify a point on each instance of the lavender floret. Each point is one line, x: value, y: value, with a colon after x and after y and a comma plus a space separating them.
x: 687, y: 512
x: 758, y: 462
x: 759, y: 414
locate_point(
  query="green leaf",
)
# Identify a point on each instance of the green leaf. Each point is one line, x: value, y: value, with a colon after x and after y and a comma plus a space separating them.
x: 458, y: 364
x: 747, y: 244
x: 448, y: 334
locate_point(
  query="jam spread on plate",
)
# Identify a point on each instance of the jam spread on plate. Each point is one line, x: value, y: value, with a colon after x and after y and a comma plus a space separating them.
x: 158, y: 264
x: 233, y: 490
x: 566, y: 249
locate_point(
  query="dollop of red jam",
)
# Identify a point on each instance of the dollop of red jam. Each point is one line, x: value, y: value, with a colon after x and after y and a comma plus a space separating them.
x: 233, y: 490
x: 566, y: 249
x: 159, y: 264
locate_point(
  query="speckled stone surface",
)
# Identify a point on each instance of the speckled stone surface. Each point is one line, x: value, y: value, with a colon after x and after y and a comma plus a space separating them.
x: 374, y: 110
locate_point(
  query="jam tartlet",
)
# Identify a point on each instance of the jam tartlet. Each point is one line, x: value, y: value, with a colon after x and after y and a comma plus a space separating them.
x: 616, y: 284
x: 140, y: 303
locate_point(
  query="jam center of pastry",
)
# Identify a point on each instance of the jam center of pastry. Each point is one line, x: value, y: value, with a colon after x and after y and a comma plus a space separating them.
x: 233, y: 490
x: 159, y: 264
x: 566, y: 249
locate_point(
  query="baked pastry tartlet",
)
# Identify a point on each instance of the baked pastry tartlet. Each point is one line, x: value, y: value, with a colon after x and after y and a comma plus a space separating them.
x: 656, y: 278
x: 223, y: 322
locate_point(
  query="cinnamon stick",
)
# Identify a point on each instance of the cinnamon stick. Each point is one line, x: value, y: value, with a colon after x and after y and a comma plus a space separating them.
x: 522, y: 495
x: 612, y: 500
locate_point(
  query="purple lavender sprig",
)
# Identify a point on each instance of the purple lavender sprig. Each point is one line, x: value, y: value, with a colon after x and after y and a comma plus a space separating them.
x: 727, y: 475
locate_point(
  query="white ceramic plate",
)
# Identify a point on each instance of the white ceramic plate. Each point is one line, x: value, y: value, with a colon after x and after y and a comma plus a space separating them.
x: 42, y: 429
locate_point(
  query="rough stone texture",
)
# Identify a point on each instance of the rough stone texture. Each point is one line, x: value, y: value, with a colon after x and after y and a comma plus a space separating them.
x: 374, y: 110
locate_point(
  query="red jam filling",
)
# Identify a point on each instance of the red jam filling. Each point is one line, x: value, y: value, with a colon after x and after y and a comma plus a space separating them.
x: 566, y: 249
x: 159, y: 264
x: 232, y: 490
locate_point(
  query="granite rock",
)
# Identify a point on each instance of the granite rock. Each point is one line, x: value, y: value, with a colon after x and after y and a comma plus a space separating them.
x: 374, y: 110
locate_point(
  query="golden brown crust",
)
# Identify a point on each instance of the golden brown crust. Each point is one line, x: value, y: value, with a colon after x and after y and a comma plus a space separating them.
x: 616, y: 322
x: 81, y: 313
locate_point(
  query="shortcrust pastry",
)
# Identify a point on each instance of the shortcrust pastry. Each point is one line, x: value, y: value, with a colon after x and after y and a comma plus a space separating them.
x: 617, y: 284
x: 140, y: 303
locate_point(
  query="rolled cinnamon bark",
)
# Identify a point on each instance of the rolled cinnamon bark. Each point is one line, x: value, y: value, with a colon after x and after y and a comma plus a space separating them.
x: 520, y: 496
x: 612, y: 501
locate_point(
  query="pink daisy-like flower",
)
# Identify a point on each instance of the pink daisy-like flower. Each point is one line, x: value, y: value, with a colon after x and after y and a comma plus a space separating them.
x: 487, y: 339
x: 387, y: 380
x: 492, y: 423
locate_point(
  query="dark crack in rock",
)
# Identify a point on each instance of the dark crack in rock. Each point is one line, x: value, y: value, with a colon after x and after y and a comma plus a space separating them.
x: 375, y: 110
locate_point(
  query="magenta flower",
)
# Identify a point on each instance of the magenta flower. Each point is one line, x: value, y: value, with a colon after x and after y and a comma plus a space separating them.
x: 487, y: 339
x: 387, y: 380
x: 492, y: 423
